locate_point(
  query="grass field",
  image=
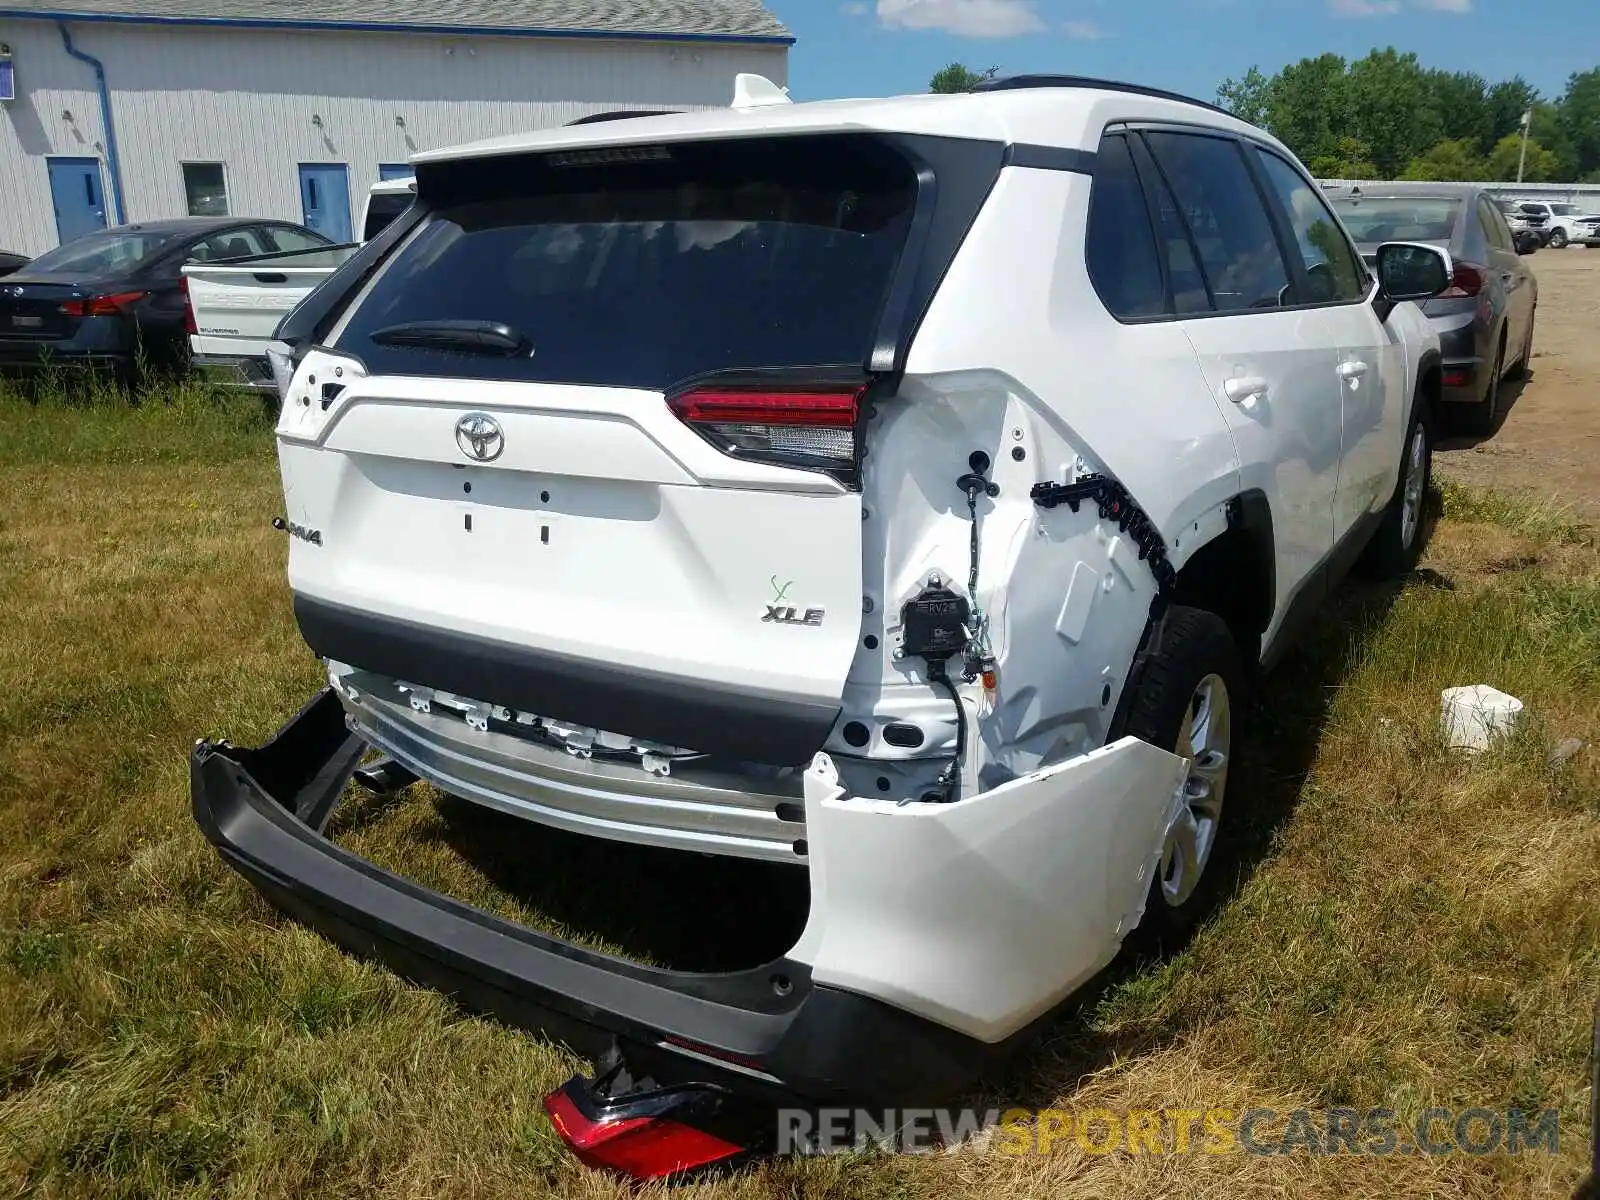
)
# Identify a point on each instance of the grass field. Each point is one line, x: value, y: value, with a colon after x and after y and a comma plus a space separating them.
x: 1399, y: 928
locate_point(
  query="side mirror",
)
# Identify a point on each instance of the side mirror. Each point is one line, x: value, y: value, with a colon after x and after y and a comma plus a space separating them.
x: 1413, y: 271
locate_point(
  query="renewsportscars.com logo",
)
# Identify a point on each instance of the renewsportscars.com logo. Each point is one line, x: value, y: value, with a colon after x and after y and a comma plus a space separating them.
x: 1260, y: 1131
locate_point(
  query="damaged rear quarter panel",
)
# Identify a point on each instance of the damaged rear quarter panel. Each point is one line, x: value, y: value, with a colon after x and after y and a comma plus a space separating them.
x: 1066, y: 594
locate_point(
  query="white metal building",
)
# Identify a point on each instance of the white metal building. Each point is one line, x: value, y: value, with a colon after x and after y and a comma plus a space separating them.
x: 127, y: 110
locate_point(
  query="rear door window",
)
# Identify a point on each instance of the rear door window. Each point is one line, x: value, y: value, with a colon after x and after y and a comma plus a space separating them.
x: 235, y: 243
x: 1334, y: 273
x: 1184, y: 276
x: 1121, y: 251
x: 1494, y: 225
x: 1226, y: 218
x: 645, y: 266
x: 286, y: 239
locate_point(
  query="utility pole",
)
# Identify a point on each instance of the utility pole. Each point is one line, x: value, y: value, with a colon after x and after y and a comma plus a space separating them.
x: 1522, y: 159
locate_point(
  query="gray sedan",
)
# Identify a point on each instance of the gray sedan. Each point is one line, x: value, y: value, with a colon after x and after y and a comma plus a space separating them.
x: 1485, y: 320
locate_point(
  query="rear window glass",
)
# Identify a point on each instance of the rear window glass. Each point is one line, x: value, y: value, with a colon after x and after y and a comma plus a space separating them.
x: 105, y: 252
x: 645, y: 266
x: 382, y: 208
x: 1399, y: 218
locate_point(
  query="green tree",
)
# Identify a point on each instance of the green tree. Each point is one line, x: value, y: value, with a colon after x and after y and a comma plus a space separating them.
x: 1308, y: 105
x: 1579, y: 120
x: 1541, y: 165
x: 958, y: 77
x: 1550, y: 130
x: 1350, y: 159
x: 1453, y: 160
x: 1462, y: 101
x: 1394, y: 109
x: 1507, y: 101
x: 1246, y: 98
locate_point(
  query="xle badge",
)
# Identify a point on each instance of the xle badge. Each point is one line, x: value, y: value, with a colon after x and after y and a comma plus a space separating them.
x: 779, y: 613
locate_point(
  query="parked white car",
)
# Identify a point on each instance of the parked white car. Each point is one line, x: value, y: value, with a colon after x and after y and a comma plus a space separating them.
x: 907, y: 491
x: 1565, y: 224
x: 234, y: 307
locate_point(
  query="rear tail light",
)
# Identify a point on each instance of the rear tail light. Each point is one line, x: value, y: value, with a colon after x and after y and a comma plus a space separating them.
x: 640, y: 1147
x: 102, y: 306
x: 1457, y: 377
x: 188, y: 307
x: 1467, y: 280
x: 812, y: 428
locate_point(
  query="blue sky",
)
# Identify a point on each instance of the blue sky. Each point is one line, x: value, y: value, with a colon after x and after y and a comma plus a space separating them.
x: 883, y: 47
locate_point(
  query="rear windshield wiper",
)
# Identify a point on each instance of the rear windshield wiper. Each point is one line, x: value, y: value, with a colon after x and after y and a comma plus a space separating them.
x: 467, y: 337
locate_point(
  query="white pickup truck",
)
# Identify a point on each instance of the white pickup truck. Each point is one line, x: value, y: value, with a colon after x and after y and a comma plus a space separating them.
x: 234, y: 306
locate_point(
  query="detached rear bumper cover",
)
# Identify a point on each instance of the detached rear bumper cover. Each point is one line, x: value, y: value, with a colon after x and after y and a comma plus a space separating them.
x: 937, y: 933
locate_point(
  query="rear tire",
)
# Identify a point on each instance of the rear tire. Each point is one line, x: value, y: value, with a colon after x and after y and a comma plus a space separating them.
x: 1401, y: 536
x: 1189, y: 698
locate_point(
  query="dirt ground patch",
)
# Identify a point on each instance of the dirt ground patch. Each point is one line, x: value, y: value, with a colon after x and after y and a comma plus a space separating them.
x: 1548, y: 446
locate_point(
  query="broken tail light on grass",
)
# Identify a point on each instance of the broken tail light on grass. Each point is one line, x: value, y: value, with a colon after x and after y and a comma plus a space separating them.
x: 641, y: 1139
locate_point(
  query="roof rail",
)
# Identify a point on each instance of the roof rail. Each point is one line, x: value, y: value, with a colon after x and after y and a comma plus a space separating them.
x: 1013, y: 83
x: 623, y: 114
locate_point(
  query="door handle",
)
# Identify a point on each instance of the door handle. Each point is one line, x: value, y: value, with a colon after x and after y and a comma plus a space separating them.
x: 1243, y: 388
x: 1354, y: 369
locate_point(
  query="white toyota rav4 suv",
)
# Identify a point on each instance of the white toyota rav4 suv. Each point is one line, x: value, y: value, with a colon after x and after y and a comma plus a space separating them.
x: 904, y: 490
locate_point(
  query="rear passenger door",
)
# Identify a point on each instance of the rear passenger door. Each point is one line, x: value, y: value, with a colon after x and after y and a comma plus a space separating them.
x: 1332, y: 287
x: 1271, y: 368
x: 1515, y: 278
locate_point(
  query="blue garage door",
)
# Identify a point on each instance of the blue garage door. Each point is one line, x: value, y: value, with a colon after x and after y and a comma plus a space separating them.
x: 325, y: 199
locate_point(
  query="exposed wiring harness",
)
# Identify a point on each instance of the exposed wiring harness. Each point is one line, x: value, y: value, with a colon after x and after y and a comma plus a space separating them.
x: 950, y: 777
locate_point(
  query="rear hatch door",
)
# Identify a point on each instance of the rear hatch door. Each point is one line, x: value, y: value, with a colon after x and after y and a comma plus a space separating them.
x: 630, y: 503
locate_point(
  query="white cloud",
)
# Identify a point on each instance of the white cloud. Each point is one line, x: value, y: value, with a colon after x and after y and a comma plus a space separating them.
x: 855, y: 10
x: 1363, y: 8
x: 1449, y: 6
x: 968, y: 18
x: 1084, y: 31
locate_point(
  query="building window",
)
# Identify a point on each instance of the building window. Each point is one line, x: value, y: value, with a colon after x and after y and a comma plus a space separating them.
x: 205, y: 189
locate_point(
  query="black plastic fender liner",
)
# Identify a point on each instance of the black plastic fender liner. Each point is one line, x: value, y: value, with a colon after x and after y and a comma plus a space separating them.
x: 767, y: 1033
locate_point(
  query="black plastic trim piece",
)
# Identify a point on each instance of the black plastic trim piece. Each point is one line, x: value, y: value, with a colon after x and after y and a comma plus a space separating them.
x: 733, y: 1030
x: 1314, y: 590
x: 745, y: 726
x: 1114, y: 503
x: 1050, y: 158
x: 955, y: 177
x: 1013, y: 83
x: 1250, y: 513
x: 624, y: 114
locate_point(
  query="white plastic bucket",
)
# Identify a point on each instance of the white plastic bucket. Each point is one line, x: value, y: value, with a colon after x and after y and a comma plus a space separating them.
x: 1474, y: 716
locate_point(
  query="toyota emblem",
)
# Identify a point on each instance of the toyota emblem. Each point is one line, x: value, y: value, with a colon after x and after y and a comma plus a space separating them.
x: 479, y: 436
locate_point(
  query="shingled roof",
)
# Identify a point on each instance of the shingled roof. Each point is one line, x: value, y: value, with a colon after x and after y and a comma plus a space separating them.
x: 737, y: 20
